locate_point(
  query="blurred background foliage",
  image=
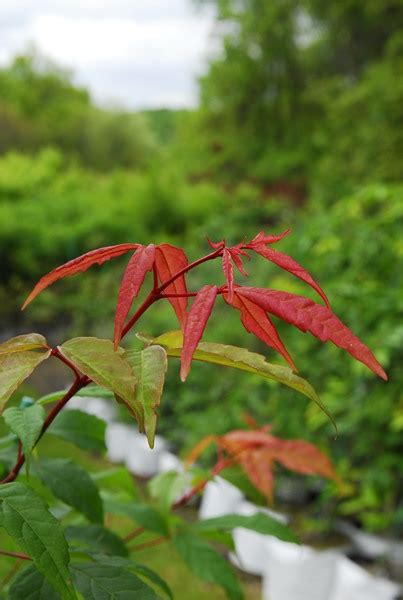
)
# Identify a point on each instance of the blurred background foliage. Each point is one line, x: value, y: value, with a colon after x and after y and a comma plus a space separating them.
x: 300, y: 124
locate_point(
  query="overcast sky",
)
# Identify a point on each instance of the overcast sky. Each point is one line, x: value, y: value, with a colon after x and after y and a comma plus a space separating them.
x: 134, y: 53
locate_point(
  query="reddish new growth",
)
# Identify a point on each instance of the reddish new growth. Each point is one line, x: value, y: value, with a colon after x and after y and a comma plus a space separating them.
x: 256, y: 306
x: 257, y: 451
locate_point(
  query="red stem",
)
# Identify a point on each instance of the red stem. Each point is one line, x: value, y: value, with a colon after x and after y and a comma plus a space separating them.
x: 15, y: 555
x: 149, y: 544
x: 192, y: 265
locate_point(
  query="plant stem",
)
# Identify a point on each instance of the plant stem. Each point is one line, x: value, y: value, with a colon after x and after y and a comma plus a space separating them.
x: 149, y: 544
x: 14, y: 569
x: 77, y: 385
x: 133, y: 534
x: 15, y: 555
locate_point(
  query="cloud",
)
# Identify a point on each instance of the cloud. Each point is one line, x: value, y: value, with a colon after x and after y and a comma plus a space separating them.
x: 136, y: 52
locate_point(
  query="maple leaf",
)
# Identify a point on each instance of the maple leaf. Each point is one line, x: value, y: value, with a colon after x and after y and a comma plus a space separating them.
x: 256, y: 452
x: 195, y: 324
x: 79, y: 264
x: 258, y: 245
x: 256, y: 321
x: 169, y: 260
x: 140, y: 263
x: 319, y: 320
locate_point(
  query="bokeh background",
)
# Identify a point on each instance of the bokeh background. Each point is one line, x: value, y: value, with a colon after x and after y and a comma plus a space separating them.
x: 172, y: 121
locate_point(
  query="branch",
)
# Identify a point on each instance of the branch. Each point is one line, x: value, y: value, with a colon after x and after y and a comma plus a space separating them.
x: 77, y: 385
x: 15, y: 555
x: 149, y: 544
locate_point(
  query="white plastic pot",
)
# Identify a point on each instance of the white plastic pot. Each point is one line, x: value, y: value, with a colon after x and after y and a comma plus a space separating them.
x: 354, y: 583
x: 297, y: 572
x: 141, y: 460
x: 116, y: 439
x: 219, y: 498
x: 169, y: 462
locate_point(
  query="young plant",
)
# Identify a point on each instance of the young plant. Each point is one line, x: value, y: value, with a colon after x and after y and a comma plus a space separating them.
x: 67, y: 556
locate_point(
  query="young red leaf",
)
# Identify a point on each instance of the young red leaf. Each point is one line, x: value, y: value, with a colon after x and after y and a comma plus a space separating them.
x: 236, y: 253
x: 255, y: 321
x: 228, y: 272
x: 77, y: 265
x: 169, y: 260
x: 140, y: 263
x: 315, y: 318
x: 289, y: 264
x: 303, y: 457
x: 258, y: 465
x: 195, y: 324
x: 262, y: 238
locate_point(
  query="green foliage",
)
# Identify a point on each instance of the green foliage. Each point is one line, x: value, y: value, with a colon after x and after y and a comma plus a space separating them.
x: 26, y: 423
x: 84, y: 430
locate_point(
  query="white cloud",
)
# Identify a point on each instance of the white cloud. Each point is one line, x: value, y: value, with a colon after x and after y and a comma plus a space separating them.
x: 136, y: 52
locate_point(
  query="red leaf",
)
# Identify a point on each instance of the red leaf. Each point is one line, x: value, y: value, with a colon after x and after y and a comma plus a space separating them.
x: 303, y: 457
x: 195, y: 324
x: 315, y: 318
x: 235, y: 255
x: 79, y: 264
x: 140, y: 263
x: 255, y: 321
x: 258, y: 465
x: 289, y: 264
x: 262, y: 238
x: 228, y: 272
x: 169, y: 260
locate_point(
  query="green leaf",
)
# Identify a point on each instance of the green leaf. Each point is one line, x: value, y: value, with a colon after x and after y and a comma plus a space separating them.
x: 95, y: 391
x: 27, y: 424
x: 142, y: 514
x: 18, y: 358
x: 96, y: 538
x: 167, y: 487
x: 26, y: 518
x: 84, y: 430
x: 259, y: 522
x: 72, y: 484
x: 109, y: 369
x: 239, y: 358
x: 99, y: 581
x: 30, y: 584
x: 117, y: 479
x: 149, y: 366
x: 132, y: 565
x: 205, y: 562
x: 23, y: 343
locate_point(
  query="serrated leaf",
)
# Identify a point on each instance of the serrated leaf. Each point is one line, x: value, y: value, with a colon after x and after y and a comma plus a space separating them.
x: 256, y: 321
x: 101, y: 581
x: 97, y: 359
x: 140, y: 263
x: 240, y: 358
x: 26, y: 518
x: 30, y: 584
x: 143, y: 514
x: 71, y: 484
x: 77, y: 265
x: 259, y: 522
x: 169, y: 260
x: 84, y: 430
x: 96, y: 538
x: 196, y: 322
x: 18, y: 359
x: 315, y: 318
x: 27, y: 424
x: 149, y: 367
x: 228, y: 272
x: 132, y: 565
x: 205, y: 562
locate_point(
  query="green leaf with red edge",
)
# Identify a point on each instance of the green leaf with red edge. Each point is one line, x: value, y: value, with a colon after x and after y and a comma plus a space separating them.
x: 291, y: 266
x: 98, y: 360
x: 256, y: 321
x: 228, y: 269
x: 149, y: 367
x: 195, y: 324
x: 169, y: 260
x: 77, y: 265
x: 19, y: 357
x: 320, y: 321
x: 240, y: 358
x: 140, y: 263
